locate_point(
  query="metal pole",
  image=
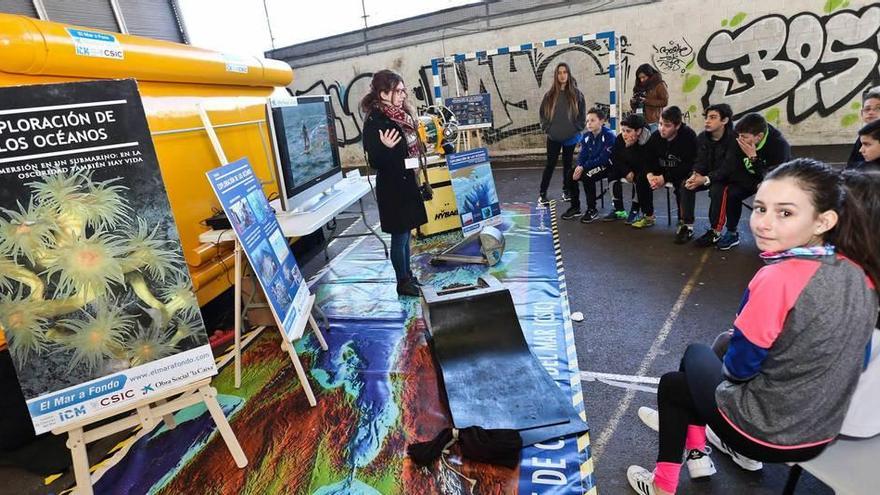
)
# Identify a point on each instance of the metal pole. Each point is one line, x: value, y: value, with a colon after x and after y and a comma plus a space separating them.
x: 269, y: 23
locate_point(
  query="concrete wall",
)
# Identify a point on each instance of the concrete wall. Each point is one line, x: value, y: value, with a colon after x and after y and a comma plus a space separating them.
x: 801, y: 63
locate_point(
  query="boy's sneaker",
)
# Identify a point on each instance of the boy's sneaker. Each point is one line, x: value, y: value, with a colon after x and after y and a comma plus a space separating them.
x: 614, y: 215
x: 727, y: 241
x: 632, y: 217
x: 590, y: 216
x: 542, y: 200
x: 641, y: 480
x: 644, y: 222
x: 707, y: 239
x: 565, y: 196
x: 684, y: 234
x: 699, y: 463
x: 743, y: 461
x: 571, y: 213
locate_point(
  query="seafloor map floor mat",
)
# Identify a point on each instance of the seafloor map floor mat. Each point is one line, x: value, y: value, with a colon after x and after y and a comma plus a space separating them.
x: 377, y: 391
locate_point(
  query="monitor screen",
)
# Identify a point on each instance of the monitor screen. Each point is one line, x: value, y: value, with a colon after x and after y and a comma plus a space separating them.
x: 305, y: 133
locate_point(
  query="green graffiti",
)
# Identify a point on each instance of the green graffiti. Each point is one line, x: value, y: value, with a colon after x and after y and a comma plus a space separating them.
x: 690, y: 64
x: 772, y: 115
x: 737, y: 19
x: 849, y: 119
x: 855, y: 105
x: 692, y: 109
x: 832, y: 5
x: 691, y: 81
x: 723, y: 22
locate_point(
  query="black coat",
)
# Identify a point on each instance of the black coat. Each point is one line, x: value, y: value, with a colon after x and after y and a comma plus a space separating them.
x: 400, y: 204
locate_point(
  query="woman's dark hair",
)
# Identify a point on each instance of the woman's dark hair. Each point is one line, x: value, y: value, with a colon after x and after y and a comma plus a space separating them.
x: 752, y: 123
x: 672, y: 114
x: 598, y: 112
x: 854, y: 195
x: 384, y: 80
x: 654, y: 78
x: 872, y: 129
x: 548, y: 105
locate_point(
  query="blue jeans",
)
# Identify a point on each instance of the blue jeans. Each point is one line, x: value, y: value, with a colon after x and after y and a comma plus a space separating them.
x: 400, y: 255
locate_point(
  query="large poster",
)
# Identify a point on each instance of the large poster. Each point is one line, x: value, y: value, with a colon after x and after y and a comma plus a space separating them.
x: 471, y: 111
x: 264, y: 244
x: 474, y: 186
x: 96, y: 300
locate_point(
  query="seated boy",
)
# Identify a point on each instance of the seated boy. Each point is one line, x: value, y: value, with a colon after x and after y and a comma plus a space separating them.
x: 593, y: 163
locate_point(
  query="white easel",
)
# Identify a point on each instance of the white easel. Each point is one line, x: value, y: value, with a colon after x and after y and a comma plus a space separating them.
x: 470, y: 138
x: 286, y: 345
x: 148, y: 414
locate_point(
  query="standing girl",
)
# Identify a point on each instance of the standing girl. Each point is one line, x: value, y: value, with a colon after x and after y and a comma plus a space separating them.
x: 563, y: 117
x: 799, y: 340
x: 389, y: 139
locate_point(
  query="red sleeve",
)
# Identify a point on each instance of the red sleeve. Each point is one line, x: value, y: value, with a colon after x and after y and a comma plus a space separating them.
x: 773, y: 292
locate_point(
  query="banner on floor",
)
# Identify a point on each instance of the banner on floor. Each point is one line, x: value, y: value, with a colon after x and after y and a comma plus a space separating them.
x: 474, y: 187
x: 96, y: 301
x: 260, y: 236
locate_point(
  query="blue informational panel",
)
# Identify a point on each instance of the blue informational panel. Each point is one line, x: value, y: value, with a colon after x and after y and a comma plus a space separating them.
x: 474, y: 188
x: 257, y: 229
x: 472, y: 111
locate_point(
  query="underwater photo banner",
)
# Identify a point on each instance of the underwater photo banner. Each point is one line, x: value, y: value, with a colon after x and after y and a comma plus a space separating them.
x: 96, y: 301
x: 474, y: 188
x: 260, y: 236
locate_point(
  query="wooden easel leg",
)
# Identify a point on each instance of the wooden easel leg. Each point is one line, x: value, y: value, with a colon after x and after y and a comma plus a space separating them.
x: 300, y: 372
x: 77, y: 445
x: 317, y: 331
x: 170, y: 423
x: 238, y: 316
x: 209, y: 395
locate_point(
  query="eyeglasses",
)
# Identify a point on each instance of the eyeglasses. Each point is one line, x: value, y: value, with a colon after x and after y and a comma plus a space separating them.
x: 871, y: 109
x: 400, y: 91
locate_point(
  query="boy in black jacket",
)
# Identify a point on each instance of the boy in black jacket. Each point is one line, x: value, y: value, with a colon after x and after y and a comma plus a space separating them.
x: 713, y: 145
x: 671, y: 149
x: 761, y: 148
x: 870, y: 113
x: 629, y: 158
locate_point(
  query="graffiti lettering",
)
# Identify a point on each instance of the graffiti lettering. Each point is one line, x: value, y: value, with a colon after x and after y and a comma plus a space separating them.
x: 817, y: 64
x: 345, y: 99
x: 673, y: 56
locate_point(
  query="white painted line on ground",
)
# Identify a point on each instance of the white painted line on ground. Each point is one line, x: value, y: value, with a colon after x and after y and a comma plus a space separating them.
x: 629, y: 386
x: 590, y: 376
x: 603, y: 438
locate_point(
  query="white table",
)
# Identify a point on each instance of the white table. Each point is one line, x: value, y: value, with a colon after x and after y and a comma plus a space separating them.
x: 345, y: 193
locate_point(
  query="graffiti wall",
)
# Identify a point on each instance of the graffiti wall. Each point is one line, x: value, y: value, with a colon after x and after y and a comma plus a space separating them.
x: 803, y: 64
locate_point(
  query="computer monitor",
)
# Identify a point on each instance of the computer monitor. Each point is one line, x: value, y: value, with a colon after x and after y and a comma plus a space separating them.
x: 303, y: 132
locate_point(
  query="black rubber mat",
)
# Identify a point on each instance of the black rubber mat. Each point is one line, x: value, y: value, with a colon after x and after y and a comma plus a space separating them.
x: 492, y: 379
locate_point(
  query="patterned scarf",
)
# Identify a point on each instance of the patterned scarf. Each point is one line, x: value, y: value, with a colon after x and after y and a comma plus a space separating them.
x: 826, y: 250
x: 407, y: 124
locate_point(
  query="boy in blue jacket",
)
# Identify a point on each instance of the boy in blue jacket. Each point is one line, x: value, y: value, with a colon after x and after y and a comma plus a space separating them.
x: 593, y: 163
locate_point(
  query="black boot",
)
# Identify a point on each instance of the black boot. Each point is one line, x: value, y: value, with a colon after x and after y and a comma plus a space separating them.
x: 408, y: 288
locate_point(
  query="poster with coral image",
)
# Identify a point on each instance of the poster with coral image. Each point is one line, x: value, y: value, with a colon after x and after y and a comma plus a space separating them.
x: 96, y: 301
x: 265, y: 246
x: 474, y: 188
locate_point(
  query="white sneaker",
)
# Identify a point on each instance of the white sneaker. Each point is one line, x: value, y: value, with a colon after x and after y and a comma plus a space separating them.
x: 699, y: 463
x: 741, y: 460
x: 641, y: 480
x: 650, y: 417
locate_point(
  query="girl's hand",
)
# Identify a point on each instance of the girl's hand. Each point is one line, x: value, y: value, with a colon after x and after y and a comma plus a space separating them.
x: 577, y: 172
x: 389, y: 138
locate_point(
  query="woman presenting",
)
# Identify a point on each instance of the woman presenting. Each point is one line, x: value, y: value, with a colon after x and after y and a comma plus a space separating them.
x: 389, y: 139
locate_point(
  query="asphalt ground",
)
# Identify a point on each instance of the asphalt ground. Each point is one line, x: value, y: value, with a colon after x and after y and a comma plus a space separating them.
x: 644, y: 300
